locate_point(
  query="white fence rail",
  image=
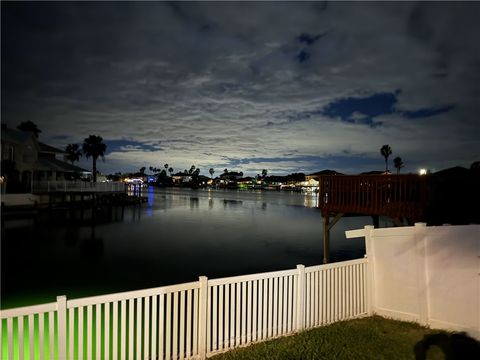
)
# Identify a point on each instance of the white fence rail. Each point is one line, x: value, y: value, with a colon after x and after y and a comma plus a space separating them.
x: 185, y: 321
x: 78, y: 186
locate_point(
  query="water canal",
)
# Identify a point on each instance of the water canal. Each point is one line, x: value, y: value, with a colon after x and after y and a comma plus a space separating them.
x: 175, y: 237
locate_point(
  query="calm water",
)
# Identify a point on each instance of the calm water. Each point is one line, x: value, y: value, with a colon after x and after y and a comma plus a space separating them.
x: 177, y: 236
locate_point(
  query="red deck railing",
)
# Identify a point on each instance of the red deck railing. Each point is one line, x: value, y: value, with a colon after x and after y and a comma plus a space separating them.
x: 395, y: 196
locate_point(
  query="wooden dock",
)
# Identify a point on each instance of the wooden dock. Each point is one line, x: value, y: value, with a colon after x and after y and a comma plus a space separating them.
x: 68, y: 195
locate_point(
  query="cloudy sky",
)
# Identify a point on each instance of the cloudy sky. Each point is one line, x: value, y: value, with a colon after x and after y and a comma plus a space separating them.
x: 287, y: 87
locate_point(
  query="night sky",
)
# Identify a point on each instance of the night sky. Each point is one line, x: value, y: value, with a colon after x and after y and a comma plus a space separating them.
x: 287, y: 87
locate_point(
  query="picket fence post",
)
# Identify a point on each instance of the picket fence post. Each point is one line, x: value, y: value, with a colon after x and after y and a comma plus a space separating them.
x: 62, y: 326
x: 300, y: 296
x: 202, y: 317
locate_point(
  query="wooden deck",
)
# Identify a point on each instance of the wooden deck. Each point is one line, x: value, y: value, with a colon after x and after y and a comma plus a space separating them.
x: 395, y: 196
x: 448, y: 197
x: 400, y: 197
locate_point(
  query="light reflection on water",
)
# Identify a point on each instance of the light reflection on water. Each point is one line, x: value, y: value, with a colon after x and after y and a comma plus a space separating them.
x: 178, y: 235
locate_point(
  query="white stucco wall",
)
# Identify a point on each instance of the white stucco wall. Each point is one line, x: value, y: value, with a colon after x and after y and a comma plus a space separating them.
x: 426, y: 274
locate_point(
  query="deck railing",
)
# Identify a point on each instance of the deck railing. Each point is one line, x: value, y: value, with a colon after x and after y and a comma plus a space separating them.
x: 77, y: 186
x: 191, y: 320
x: 388, y: 195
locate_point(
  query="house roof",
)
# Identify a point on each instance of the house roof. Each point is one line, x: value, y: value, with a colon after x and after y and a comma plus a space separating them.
x: 57, y: 165
x: 231, y: 173
x: 374, y: 172
x: 16, y: 135
x: 276, y: 178
x: 50, y: 149
x: 325, y: 172
x: 453, y: 171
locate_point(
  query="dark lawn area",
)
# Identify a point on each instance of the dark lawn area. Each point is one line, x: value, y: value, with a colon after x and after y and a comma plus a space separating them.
x: 367, y: 338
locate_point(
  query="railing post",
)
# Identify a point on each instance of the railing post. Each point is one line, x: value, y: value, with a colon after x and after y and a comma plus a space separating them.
x: 62, y: 326
x: 300, y: 296
x: 202, y: 317
x: 48, y: 186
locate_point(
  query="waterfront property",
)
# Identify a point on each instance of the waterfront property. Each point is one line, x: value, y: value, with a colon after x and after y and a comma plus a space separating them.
x: 25, y: 160
x: 406, y: 275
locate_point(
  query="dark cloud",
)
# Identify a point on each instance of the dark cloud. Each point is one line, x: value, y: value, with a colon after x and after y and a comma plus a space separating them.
x: 365, y: 110
x: 368, y: 108
x: 303, y: 56
x: 422, y: 113
x: 309, y: 39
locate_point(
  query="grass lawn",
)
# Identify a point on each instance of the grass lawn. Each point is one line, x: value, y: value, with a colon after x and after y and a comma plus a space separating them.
x: 367, y: 338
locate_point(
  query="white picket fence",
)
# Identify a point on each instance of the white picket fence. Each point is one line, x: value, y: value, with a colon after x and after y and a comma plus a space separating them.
x: 78, y: 186
x: 186, y: 321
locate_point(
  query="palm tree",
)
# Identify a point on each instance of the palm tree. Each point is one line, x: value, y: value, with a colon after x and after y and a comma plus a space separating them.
x: 225, y: 171
x: 386, y: 151
x: 398, y: 163
x: 154, y: 169
x: 94, y: 147
x: 170, y: 170
x: 166, y: 167
x: 264, y: 172
x: 192, y: 169
x: 142, y: 170
x: 73, y: 152
x: 30, y: 127
x: 211, y: 171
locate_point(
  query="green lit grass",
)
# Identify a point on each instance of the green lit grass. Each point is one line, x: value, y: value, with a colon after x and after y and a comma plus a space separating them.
x: 368, y: 338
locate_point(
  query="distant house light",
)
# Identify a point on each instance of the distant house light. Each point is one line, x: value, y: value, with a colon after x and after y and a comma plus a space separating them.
x: 134, y: 180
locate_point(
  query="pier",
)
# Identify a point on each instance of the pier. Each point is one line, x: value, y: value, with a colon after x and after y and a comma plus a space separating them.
x: 71, y: 194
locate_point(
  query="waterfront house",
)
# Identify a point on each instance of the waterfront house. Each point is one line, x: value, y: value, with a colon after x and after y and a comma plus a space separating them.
x: 230, y: 176
x: 229, y: 179
x: 181, y: 178
x: 246, y: 182
x: 26, y: 160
